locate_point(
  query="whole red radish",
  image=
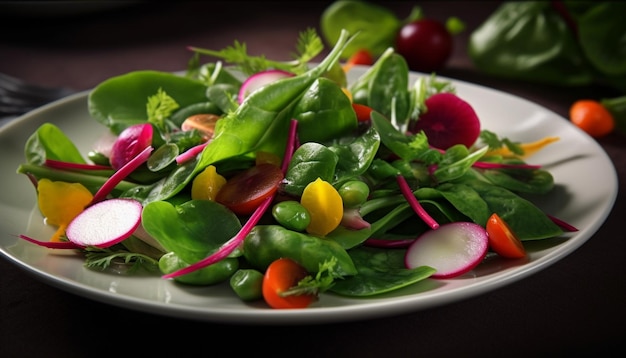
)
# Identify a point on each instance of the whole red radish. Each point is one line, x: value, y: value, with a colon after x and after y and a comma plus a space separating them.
x: 448, y: 120
x: 426, y: 44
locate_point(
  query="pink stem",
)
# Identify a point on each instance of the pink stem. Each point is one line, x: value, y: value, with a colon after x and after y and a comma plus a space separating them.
x: 119, y: 175
x: 565, y: 226
x: 291, y: 145
x: 417, y: 207
x: 487, y: 165
x: 51, y: 244
x: 388, y: 244
x: 57, y: 164
x: 190, y: 153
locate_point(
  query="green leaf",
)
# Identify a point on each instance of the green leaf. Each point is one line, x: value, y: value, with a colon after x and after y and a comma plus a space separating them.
x: 185, y: 230
x: 380, y: 271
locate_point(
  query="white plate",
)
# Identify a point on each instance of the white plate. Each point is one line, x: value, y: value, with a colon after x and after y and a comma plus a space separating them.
x: 585, y: 193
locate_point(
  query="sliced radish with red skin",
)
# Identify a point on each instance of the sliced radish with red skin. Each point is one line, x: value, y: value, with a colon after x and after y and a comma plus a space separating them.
x: 447, y: 121
x: 259, y: 80
x: 453, y: 249
x: 131, y: 141
x: 105, y: 223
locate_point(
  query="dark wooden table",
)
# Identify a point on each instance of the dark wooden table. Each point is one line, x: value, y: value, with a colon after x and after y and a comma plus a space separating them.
x: 575, y: 307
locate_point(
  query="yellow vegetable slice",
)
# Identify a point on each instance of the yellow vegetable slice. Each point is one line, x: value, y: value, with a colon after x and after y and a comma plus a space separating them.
x: 206, y: 184
x: 325, y: 207
x: 60, y: 202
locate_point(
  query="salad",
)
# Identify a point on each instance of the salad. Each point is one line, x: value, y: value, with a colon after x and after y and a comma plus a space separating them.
x: 285, y: 180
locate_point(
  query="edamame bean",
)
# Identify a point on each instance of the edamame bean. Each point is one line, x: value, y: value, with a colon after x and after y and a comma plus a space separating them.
x: 292, y: 215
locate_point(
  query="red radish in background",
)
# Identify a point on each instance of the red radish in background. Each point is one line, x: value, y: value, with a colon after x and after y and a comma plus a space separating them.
x: 131, y: 141
x: 453, y: 249
x: 259, y: 80
x: 448, y: 121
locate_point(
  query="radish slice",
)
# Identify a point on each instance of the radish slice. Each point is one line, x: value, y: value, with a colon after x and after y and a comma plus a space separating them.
x: 259, y: 80
x: 453, y: 249
x: 105, y: 223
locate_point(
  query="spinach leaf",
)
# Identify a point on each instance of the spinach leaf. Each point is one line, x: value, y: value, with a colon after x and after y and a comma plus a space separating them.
x: 49, y: 142
x: 324, y: 112
x: 310, y: 161
x: 380, y: 271
x: 185, y: 230
x: 525, y: 218
x: 120, y: 101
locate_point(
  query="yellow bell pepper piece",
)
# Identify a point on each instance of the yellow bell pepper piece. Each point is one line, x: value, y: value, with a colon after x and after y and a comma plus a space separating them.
x: 60, y: 202
x: 347, y: 93
x: 528, y: 148
x: 324, y: 205
x: 206, y: 184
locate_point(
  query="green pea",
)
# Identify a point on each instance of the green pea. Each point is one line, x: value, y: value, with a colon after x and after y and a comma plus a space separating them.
x: 247, y: 284
x: 354, y: 193
x: 218, y: 272
x: 291, y: 215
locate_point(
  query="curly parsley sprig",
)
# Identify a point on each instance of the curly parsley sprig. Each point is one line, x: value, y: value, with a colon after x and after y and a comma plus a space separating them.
x: 103, y: 259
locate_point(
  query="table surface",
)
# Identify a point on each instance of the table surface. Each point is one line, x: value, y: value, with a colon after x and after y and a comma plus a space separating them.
x: 574, y: 307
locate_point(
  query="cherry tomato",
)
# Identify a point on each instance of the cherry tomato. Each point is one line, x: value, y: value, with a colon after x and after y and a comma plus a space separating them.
x: 592, y: 117
x: 281, y: 275
x: 502, y: 240
x: 425, y: 44
x: 362, y: 111
x: 245, y: 191
x: 360, y: 57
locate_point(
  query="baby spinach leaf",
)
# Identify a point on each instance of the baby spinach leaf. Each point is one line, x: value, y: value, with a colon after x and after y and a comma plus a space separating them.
x: 355, y: 154
x: 377, y: 25
x: 324, y: 112
x: 380, y: 271
x: 310, y: 161
x: 49, y: 142
x: 525, y: 218
x: 120, y: 101
x: 185, y: 229
x: 521, y: 180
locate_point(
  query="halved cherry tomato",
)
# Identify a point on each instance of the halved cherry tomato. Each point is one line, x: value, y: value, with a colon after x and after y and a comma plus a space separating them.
x: 281, y: 275
x: 502, y: 239
x: 362, y: 111
x: 245, y: 191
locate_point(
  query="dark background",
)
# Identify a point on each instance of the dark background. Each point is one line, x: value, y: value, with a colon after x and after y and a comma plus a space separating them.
x: 572, y: 308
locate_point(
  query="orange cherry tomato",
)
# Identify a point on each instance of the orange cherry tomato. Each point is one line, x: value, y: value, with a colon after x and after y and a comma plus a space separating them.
x: 281, y: 275
x: 245, y: 191
x: 592, y: 117
x: 502, y: 240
